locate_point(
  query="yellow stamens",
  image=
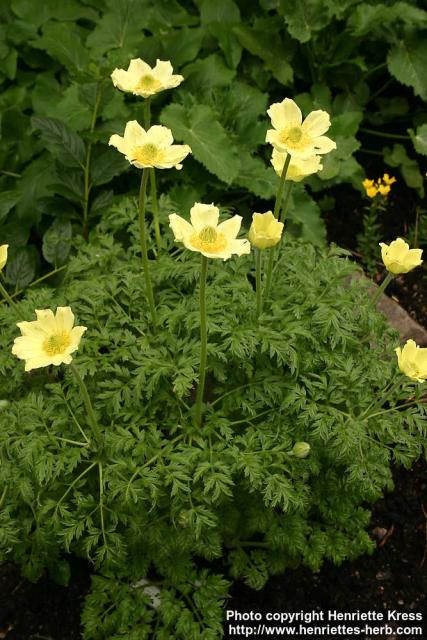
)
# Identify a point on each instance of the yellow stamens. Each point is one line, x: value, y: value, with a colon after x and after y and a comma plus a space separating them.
x: 57, y: 343
x: 148, y: 82
x: 146, y: 154
x: 209, y: 239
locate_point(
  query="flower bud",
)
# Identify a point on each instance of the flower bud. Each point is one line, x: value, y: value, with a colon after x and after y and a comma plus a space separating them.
x: 301, y: 449
x: 4, y: 404
x: 265, y: 230
x: 412, y: 361
x: 399, y: 258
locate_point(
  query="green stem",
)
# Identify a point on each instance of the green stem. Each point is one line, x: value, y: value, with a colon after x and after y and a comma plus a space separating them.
x: 381, y: 134
x: 75, y: 481
x: 147, y: 113
x: 276, y: 213
x: 88, y: 404
x: 389, y: 392
x: 155, y: 209
x: 144, y: 251
x: 101, y: 502
x: 203, y: 342
x: 258, y: 283
x: 288, y: 191
x: 3, y: 496
x: 6, y: 296
x: 378, y: 293
x: 87, y: 165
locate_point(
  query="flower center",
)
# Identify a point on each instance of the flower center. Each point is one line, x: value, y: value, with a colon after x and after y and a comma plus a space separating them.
x: 295, y: 135
x: 146, y: 154
x: 148, y: 82
x: 57, y: 343
x: 209, y: 239
x: 208, y: 235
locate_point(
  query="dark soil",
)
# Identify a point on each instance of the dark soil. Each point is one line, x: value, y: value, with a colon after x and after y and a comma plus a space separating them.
x: 394, y: 577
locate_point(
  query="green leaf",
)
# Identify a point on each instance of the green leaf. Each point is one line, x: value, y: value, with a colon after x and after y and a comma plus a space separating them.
x: 39, y: 12
x: 181, y: 45
x: 270, y: 48
x: 102, y: 202
x: 106, y: 164
x: 398, y: 157
x: 57, y: 242
x: 221, y: 11
x: 7, y: 202
x: 207, y: 73
x: 367, y: 18
x: 419, y: 138
x: 21, y: 267
x: 257, y: 178
x: 62, y: 42
x: 305, y: 218
x: 120, y: 28
x: 305, y: 16
x: 61, y: 142
x: 199, y: 128
x: 406, y: 62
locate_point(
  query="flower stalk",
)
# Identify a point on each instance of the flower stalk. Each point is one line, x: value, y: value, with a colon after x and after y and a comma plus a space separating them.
x: 380, y: 290
x: 153, y: 188
x: 277, y: 214
x: 203, y: 342
x: 143, y: 240
x: 258, y: 285
x: 88, y: 404
x: 6, y: 295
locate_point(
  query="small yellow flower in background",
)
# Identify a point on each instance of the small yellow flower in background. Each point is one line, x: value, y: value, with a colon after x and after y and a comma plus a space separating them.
x: 265, y: 230
x: 298, y: 168
x: 412, y: 361
x: 381, y: 186
x: 399, y: 258
x: 151, y: 148
x: 206, y: 236
x: 51, y: 339
x: 292, y: 135
x: 3, y: 255
x: 142, y: 80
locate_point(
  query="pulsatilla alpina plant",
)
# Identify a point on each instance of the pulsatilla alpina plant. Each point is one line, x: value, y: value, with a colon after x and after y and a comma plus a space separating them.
x: 217, y: 408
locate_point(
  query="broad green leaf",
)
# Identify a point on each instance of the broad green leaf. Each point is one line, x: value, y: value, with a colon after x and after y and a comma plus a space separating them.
x: 121, y: 27
x: 102, y: 202
x: 228, y: 42
x: 61, y: 142
x: 419, y: 138
x: 305, y: 218
x: 69, y: 183
x: 181, y: 45
x: 63, y: 43
x: 21, y: 267
x: 210, y: 145
x: 39, y: 12
x: 367, y: 18
x: 7, y: 202
x: 398, y: 157
x: 257, y: 178
x: 221, y: 11
x: 304, y: 17
x: 208, y: 72
x: 270, y: 48
x: 51, y: 101
x: 106, y: 164
x: 57, y: 242
x: 407, y: 63
x: 34, y: 184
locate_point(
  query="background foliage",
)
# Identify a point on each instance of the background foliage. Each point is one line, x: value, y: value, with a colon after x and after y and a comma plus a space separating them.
x: 361, y: 61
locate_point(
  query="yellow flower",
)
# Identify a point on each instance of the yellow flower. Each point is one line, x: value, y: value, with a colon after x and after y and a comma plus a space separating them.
x: 298, y: 168
x: 3, y: 255
x: 370, y: 188
x: 142, y: 80
x: 384, y: 189
x: 51, y: 339
x: 265, y: 230
x: 206, y: 236
x: 291, y: 134
x: 387, y: 180
x: 152, y: 148
x: 412, y: 361
x: 399, y: 258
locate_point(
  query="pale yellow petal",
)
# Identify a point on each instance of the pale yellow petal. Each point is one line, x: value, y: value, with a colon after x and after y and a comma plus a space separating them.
x: 285, y: 114
x: 163, y: 70
x: 230, y: 228
x: 46, y: 319
x: 3, y: 255
x: 181, y: 228
x: 64, y: 318
x: 75, y: 337
x: 323, y: 144
x: 204, y: 215
x: 316, y: 123
x: 119, y: 143
x: 172, y: 156
x: 27, y: 347
x: 159, y: 135
x: 138, y: 68
x: 122, y: 80
x: 240, y: 247
x: 135, y: 134
x: 37, y: 362
x: 273, y: 137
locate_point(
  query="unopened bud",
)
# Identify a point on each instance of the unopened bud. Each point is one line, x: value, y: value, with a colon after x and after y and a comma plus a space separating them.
x: 301, y: 449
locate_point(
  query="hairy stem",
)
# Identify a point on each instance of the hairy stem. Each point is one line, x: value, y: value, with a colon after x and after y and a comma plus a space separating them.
x: 86, y: 168
x: 258, y: 283
x: 378, y: 293
x: 155, y: 210
x: 6, y: 295
x: 144, y: 251
x: 203, y: 342
x: 88, y: 404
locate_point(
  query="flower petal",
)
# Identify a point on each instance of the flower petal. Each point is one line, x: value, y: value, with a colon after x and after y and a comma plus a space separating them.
x: 172, y: 156
x: 231, y: 227
x: 204, y: 215
x: 159, y: 135
x: 64, y: 318
x: 46, y: 320
x: 163, y: 70
x: 316, y: 123
x: 285, y: 114
x: 134, y: 134
x: 181, y: 228
x: 138, y: 68
x: 323, y: 144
